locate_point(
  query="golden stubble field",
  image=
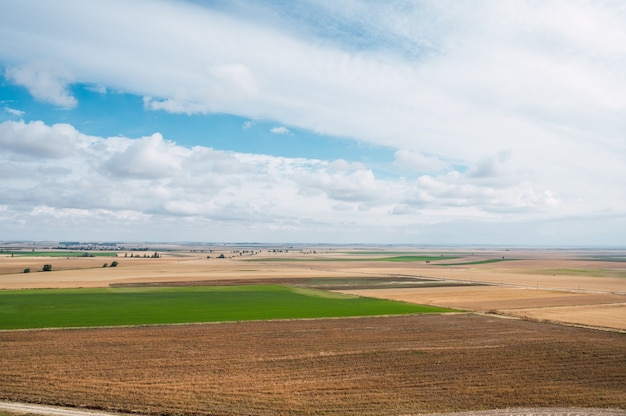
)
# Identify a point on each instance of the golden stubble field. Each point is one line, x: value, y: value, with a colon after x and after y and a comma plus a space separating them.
x: 383, y: 365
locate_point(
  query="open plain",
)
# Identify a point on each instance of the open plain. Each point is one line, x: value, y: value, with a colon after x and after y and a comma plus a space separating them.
x: 568, y: 350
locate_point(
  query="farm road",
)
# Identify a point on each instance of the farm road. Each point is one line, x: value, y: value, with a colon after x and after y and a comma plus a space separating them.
x: 37, y: 409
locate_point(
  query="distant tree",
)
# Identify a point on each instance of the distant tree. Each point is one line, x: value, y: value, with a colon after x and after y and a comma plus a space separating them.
x: 27, y: 270
x: 114, y: 264
x: 47, y: 268
x: 221, y: 256
x: 105, y: 265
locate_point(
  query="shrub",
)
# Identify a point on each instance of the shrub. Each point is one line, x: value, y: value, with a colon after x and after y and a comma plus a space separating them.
x: 114, y: 263
x: 47, y: 267
x: 104, y: 265
x: 27, y: 270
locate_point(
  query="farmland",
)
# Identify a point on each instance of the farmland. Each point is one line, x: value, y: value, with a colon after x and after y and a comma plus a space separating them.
x: 551, y: 354
x: 60, y: 308
x: 381, y: 365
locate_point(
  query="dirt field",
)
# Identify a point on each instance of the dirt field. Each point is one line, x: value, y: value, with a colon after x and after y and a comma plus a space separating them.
x: 387, y: 365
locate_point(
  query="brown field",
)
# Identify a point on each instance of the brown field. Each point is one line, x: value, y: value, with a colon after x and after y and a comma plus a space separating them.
x: 385, y: 365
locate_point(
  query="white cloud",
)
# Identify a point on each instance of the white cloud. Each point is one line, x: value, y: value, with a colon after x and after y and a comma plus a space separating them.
x: 418, y: 162
x: 46, y: 83
x: 146, y: 158
x: 14, y: 112
x: 157, y: 182
x: 279, y: 130
x: 36, y: 139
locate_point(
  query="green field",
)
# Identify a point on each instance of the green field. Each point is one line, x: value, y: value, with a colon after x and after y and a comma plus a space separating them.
x: 59, y: 253
x: 61, y: 308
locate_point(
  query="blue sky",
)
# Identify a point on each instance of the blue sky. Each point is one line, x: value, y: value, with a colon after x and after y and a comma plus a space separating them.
x: 107, y: 114
x: 407, y: 122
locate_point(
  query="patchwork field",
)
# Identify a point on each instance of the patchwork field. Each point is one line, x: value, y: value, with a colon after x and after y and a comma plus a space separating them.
x: 404, y: 364
x: 586, y: 287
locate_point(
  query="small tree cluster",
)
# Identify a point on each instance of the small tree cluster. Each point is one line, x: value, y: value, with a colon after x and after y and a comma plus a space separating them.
x: 47, y: 268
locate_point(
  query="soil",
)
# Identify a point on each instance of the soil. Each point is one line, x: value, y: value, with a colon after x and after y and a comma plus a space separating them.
x: 414, y: 364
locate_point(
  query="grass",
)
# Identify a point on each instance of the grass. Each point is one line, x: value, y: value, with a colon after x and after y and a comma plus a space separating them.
x: 61, y: 308
x: 59, y: 253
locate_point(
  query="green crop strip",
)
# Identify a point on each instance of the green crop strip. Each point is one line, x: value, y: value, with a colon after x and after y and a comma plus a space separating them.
x: 61, y: 308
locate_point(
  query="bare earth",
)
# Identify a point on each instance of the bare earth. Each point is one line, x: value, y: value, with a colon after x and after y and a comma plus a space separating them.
x: 415, y: 364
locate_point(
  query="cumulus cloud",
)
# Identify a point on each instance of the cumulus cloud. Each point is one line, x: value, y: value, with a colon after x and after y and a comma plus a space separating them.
x: 418, y: 162
x: 36, y: 139
x: 155, y: 181
x: 490, y: 167
x: 145, y: 158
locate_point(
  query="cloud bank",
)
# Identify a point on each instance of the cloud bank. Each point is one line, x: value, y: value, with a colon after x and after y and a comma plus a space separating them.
x: 153, y: 185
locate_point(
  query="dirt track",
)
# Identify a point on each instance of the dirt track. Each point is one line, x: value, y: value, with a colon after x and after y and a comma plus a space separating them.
x: 34, y: 409
x: 37, y: 409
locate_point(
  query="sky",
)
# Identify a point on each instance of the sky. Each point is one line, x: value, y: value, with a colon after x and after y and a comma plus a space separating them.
x: 329, y: 121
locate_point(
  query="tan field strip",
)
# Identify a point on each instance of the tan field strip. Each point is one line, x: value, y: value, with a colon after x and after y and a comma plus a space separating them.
x: 594, y: 309
x: 79, y: 272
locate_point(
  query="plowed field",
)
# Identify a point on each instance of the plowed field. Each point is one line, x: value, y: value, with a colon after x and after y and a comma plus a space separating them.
x: 386, y: 365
